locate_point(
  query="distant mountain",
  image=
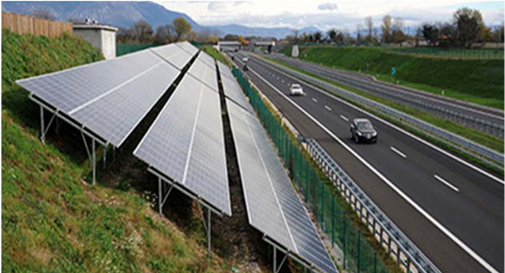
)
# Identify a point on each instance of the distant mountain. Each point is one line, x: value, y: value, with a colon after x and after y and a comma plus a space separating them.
x: 120, y: 14
x: 126, y: 14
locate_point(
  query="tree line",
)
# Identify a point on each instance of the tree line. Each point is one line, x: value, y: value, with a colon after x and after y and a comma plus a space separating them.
x: 464, y: 30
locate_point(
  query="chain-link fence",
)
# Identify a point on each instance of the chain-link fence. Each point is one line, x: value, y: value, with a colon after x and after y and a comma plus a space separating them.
x: 329, y: 207
x: 123, y: 49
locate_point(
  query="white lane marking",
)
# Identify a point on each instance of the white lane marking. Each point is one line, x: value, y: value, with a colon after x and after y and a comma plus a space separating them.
x: 314, y: 99
x: 327, y: 107
x: 398, y: 152
x: 282, y: 81
x: 446, y: 183
x: 403, y: 131
x: 344, y: 117
x: 417, y: 207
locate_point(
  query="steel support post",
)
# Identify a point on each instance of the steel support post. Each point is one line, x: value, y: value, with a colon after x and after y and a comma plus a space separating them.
x: 104, y: 156
x: 93, y: 159
x: 42, y: 128
x: 208, y: 230
x: 160, y: 198
x: 275, y: 259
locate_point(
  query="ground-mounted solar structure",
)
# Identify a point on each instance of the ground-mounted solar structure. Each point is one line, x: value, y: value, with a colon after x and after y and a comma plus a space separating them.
x: 272, y: 204
x: 106, y: 100
x: 232, y: 89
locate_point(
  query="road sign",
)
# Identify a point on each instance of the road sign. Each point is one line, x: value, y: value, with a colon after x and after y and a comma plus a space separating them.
x: 295, y: 51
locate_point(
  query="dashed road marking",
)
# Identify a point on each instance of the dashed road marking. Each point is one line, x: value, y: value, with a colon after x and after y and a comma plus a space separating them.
x: 344, y: 117
x: 446, y: 183
x: 398, y: 152
x: 314, y: 99
x: 327, y: 107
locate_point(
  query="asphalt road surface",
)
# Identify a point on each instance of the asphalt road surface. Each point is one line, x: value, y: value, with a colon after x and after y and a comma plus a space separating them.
x: 450, y: 209
x: 420, y: 100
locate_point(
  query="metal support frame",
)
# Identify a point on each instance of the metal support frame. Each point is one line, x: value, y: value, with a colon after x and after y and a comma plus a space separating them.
x: 306, y: 264
x: 207, y: 226
x: 84, y: 132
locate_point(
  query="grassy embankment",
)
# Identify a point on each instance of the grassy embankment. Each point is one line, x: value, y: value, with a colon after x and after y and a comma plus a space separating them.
x: 53, y: 221
x: 476, y: 81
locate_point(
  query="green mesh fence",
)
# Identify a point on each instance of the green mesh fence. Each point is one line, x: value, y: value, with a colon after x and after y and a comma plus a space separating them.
x: 328, y: 207
x: 123, y: 49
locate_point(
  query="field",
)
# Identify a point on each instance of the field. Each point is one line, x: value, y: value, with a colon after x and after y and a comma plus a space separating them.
x: 480, y: 54
x: 477, y: 81
x: 54, y: 221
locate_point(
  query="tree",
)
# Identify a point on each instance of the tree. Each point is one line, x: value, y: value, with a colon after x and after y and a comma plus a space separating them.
x: 213, y: 39
x: 397, y: 34
x: 369, y: 27
x: 386, y: 29
x: 469, y: 26
x: 358, y: 31
x: 430, y: 33
x: 164, y: 35
x: 317, y: 36
x: 332, y: 34
x: 182, y: 27
x: 43, y: 14
x: 241, y: 40
x: 231, y: 37
x: 142, y: 32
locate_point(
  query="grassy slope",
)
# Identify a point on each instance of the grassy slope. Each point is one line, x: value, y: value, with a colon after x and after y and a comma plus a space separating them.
x: 477, y: 81
x: 52, y: 221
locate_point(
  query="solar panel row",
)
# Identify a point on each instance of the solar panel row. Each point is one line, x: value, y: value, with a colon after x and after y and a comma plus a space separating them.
x: 111, y: 97
x: 204, y: 73
x: 186, y: 143
x: 232, y: 89
x: 272, y: 204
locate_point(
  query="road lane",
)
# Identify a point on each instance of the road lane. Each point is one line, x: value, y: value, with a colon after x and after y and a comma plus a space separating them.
x: 475, y: 214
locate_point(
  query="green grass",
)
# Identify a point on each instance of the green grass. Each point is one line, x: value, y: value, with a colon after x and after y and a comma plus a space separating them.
x: 52, y: 220
x: 457, y: 53
x: 476, y: 81
x: 214, y: 53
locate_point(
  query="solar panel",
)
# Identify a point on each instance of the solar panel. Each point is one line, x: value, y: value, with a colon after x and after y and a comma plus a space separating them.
x: 272, y: 204
x: 188, y: 47
x: 110, y: 97
x: 233, y: 91
x: 204, y: 57
x: 174, y: 55
x: 186, y: 143
x: 203, y: 72
x: 71, y: 88
x: 225, y: 71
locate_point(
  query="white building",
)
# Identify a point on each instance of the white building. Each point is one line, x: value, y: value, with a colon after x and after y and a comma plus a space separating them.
x: 100, y: 36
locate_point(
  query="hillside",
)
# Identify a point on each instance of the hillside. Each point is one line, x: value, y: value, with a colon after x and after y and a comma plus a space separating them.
x: 477, y: 81
x: 54, y: 221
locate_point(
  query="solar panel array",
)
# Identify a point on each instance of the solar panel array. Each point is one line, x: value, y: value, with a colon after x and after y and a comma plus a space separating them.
x: 273, y: 206
x: 204, y: 72
x: 232, y: 89
x: 188, y: 47
x: 186, y: 143
x: 111, y: 97
x: 173, y: 54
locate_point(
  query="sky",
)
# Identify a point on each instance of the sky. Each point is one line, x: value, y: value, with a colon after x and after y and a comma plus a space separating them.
x: 324, y: 14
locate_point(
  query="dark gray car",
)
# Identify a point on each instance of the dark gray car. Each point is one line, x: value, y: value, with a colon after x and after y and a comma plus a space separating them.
x: 362, y: 130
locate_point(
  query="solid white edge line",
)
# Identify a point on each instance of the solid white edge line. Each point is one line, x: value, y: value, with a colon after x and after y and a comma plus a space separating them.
x: 398, y: 152
x: 452, y: 187
x: 403, y: 131
x: 327, y: 107
x: 344, y: 117
x: 449, y: 234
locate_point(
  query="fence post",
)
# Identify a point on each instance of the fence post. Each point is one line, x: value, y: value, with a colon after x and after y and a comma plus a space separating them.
x: 359, y: 249
x: 345, y: 241
x: 332, y: 221
x: 375, y: 262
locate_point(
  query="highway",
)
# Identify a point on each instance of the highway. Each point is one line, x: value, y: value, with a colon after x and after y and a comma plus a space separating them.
x: 450, y: 209
x: 455, y: 110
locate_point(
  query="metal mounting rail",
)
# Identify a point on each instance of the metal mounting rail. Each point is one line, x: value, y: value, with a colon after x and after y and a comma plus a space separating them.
x: 390, y: 237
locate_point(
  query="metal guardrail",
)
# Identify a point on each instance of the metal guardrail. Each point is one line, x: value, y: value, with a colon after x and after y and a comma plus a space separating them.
x: 455, y: 116
x: 390, y: 237
x: 467, y: 146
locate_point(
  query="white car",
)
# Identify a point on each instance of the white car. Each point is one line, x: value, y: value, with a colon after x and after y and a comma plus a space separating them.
x: 296, y: 90
x: 245, y: 59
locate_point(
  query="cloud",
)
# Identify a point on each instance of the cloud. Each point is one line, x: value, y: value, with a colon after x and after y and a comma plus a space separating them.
x: 216, y: 6
x: 328, y: 6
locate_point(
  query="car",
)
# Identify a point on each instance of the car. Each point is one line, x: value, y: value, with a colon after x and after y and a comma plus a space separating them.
x: 295, y: 90
x: 245, y: 59
x: 362, y: 130
x: 245, y: 68
x: 233, y: 58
